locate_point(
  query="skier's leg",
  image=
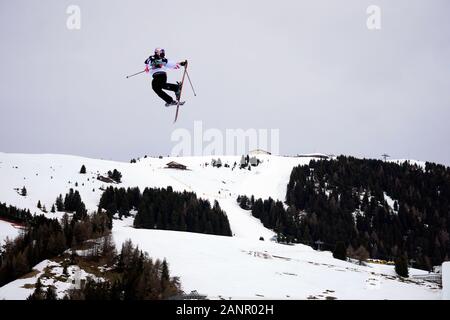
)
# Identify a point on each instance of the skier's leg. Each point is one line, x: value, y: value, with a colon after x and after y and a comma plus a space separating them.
x: 171, y: 87
x: 158, y: 83
x: 175, y: 88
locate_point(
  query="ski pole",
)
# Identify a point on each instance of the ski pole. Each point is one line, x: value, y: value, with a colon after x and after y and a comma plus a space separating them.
x: 135, y: 74
x: 189, y: 78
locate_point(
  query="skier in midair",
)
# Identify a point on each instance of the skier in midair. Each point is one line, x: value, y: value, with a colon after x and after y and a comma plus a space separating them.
x: 157, y: 66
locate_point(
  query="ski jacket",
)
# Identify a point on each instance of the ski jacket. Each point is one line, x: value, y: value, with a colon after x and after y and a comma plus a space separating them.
x: 160, y: 65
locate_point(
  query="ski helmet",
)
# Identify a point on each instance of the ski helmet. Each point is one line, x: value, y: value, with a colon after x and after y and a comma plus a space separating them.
x: 160, y: 52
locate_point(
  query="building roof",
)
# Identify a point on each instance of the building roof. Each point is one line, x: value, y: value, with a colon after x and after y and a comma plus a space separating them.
x: 173, y: 164
x: 314, y: 155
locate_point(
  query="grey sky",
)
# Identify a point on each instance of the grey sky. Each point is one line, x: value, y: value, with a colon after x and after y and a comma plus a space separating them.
x: 310, y: 68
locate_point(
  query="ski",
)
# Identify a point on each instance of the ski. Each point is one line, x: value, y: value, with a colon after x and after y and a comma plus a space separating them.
x: 181, y: 91
x: 175, y: 104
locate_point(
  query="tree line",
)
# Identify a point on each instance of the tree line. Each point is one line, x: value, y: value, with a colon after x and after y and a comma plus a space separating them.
x: 166, y: 209
x: 72, y: 203
x: 345, y: 200
x: 45, y: 238
x: 13, y: 214
x: 131, y: 275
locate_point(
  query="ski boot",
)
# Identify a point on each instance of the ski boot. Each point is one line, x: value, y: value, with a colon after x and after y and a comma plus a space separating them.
x: 173, y: 103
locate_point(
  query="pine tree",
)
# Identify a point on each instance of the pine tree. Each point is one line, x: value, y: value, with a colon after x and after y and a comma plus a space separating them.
x: 23, y: 192
x: 50, y: 294
x: 38, y: 293
x: 59, y: 203
x: 53, y: 210
x: 115, y: 175
x: 108, y: 250
x: 20, y: 264
x: 165, y: 270
x: 340, y: 252
x: 361, y: 254
x: 39, y: 204
x: 83, y: 169
x: 401, y: 266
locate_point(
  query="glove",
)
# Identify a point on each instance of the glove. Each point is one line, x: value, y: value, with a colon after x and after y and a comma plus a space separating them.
x: 183, y: 63
x: 147, y: 69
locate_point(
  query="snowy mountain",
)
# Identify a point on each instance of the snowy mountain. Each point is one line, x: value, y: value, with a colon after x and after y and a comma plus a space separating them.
x: 238, y: 267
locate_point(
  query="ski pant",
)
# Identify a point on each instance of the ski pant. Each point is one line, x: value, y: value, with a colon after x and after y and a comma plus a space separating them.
x: 159, y: 83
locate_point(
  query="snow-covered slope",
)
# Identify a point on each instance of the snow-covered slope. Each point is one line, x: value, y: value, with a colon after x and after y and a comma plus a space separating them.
x: 241, y: 268
x: 420, y: 164
x: 51, y: 274
x: 230, y: 267
x: 8, y: 230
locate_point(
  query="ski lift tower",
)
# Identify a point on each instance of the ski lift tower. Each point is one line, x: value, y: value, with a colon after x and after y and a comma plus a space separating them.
x: 385, y: 156
x: 319, y: 244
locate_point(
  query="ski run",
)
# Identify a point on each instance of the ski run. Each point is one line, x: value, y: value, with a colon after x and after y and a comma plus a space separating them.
x: 238, y: 267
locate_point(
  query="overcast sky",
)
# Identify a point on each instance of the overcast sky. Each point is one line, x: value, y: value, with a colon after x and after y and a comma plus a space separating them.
x: 311, y: 69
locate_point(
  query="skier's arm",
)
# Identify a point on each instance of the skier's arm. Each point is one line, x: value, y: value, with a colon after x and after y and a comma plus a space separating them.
x: 172, y: 65
x: 147, y: 69
x: 175, y: 65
